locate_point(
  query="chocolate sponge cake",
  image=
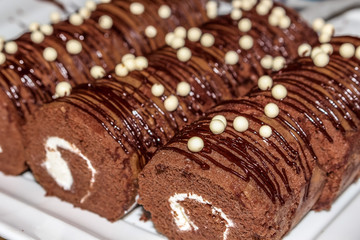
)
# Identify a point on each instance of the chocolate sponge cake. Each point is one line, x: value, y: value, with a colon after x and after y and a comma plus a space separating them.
x: 89, y: 147
x: 32, y: 65
x: 254, y: 166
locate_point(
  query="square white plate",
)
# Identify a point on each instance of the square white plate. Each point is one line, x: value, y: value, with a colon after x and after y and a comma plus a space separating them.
x: 26, y: 214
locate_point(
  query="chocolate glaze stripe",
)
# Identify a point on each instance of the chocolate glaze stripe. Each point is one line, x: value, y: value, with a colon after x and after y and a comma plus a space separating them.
x: 241, y: 149
x: 235, y: 151
x: 285, y: 156
x: 107, y: 103
x: 193, y: 69
x: 308, y: 88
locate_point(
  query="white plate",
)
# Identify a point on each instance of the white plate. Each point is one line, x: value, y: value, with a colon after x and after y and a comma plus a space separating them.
x: 26, y: 214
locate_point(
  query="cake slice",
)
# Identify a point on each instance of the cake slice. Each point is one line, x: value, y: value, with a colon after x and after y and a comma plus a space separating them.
x: 254, y: 166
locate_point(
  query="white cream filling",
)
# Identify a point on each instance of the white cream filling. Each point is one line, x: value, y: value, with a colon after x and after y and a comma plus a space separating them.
x: 58, y: 168
x: 183, y: 221
x: 1, y: 150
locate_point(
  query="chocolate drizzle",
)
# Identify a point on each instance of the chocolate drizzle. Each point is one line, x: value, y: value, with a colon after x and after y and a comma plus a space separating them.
x: 315, y: 95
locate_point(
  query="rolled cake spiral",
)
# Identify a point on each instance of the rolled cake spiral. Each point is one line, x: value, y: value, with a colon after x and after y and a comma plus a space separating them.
x: 103, y: 134
x: 67, y: 51
x: 248, y: 183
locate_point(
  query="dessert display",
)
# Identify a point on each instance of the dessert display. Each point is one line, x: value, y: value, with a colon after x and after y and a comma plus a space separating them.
x: 252, y: 167
x: 78, y: 50
x: 89, y: 147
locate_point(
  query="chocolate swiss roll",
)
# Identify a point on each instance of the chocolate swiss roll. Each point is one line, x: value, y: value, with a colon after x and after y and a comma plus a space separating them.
x: 89, y: 147
x: 251, y: 168
x: 67, y: 51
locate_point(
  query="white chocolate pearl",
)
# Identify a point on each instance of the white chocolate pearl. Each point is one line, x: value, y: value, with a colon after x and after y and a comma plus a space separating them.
x: 207, y: 40
x: 141, y: 63
x: 11, y: 47
x: 37, y: 36
x: 50, y: 54
x: 247, y: 5
x: 164, y: 11
x: 268, y: 3
x: 244, y: 25
x: 315, y: 52
x: 105, y: 22
x: 75, y: 19
x: 265, y: 131
x: 150, y: 31
x: 304, y: 50
x: 121, y: 70
x: 321, y: 59
x: 195, y: 144
x: 221, y: 118
x: 318, y: 24
x: 211, y: 13
x: 278, y: 63
x: 211, y: 9
x: 278, y: 11
x: 265, y: 82
x: 267, y: 62
x: 55, y: 17
x: 136, y: 8
x: 84, y: 13
x: 246, y: 42
x: 46, y: 29
x: 34, y: 26
x: 231, y: 58
x: 328, y: 29
x: 236, y: 3
x: 171, y: 103
x: 180, y: 32
x: 194, y: 34
x: 357, y: 53
x: 73, y: 46
x: 284, y: 22
x: 97, y: 72
x: 241, y: 124
x: 347, y: 50
x: 217, y: 126
x: 177, y: 42
x: 2, y: 58
x: 91, y: 5
x: 324, y: 38
x: 157, y: 89
x: 183, y: 89
x: 169, y: 37
x: 63, y: 89
x: 236, y: 14
x: 127, y: 56
x: 130, y: 64
x: 262, y: 9
x: 327, y: 48
x: 274, y: 20
x: 184, y: 54
x: 279, y: 92
x: 271, y: 110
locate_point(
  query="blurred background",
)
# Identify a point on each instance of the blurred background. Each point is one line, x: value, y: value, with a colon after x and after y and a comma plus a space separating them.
x: 16, y: 15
